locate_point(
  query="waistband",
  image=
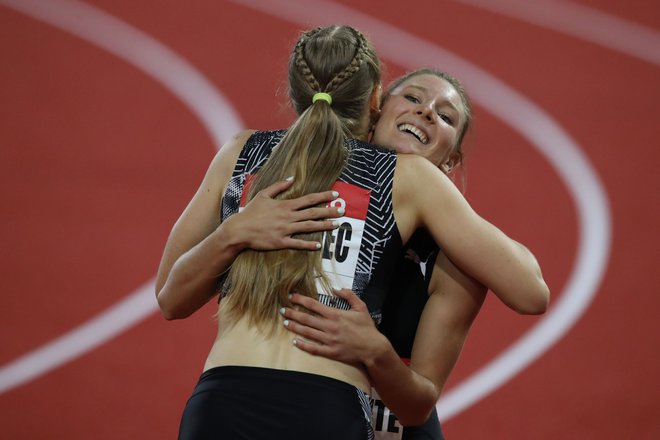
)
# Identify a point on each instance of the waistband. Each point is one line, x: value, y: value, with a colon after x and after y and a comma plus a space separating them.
x: 272, y: 374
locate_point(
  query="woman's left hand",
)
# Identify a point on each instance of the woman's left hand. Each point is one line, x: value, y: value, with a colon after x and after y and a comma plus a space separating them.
x: 348, y: 336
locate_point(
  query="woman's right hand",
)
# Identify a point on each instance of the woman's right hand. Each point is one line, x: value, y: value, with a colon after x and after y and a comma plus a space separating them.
x: 267, y: 223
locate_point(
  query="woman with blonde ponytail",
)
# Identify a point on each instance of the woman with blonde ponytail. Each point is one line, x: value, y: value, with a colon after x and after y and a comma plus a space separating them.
x: 255, y: 383
x: 312, y: 150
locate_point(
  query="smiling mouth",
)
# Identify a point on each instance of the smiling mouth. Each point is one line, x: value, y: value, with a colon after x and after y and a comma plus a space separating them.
x: 416, y: 132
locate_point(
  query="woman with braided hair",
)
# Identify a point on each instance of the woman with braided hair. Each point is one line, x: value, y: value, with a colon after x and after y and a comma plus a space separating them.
x: 256, y: 384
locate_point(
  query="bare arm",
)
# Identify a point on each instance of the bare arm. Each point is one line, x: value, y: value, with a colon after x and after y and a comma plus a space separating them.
x: 199, y: 248
x: 424, y: 196
x: 454, y: 302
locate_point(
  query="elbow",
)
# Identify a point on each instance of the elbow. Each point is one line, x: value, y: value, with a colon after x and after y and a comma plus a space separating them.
x: 415, y: 418
x: 531, y: 309
x: 414, y: 421
x: 165, y: 310
x: 171, y: 315
x: 420, y: 414
x: 168, y: 314
x: 537, y: 302
x: 170, y: 311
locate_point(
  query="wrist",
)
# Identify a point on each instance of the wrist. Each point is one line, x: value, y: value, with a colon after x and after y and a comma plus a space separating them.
x: 229, y: 238
x: 379, y: 352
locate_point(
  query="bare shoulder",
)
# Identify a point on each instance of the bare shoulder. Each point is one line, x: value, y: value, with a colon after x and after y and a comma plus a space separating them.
x: 234, y: 145
x: 223, y: 163
x: 415, y: 172
x: 419, y: 186
x: 239, y: 139
x: 412, y: 163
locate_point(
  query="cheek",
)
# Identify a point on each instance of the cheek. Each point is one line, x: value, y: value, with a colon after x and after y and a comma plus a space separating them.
x: 380, y: 135
x: 440, y: 152
x: 389, y: 138
x: 446, y: 141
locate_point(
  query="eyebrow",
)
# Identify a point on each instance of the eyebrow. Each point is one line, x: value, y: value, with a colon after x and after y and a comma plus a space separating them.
x: 425, y: 90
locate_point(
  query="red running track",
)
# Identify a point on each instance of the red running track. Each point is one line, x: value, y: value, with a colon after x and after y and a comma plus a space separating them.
x: 99, y: 156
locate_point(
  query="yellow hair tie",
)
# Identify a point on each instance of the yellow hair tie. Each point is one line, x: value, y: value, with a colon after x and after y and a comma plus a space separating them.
x: 323, y: 97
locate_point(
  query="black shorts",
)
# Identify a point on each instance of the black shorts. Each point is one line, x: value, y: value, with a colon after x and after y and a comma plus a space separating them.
x: 251, y: 403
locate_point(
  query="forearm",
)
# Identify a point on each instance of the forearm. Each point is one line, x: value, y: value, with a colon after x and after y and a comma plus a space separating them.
x: 531, y: 294
x: 405, y: 392
x: 189, y: 270
x: 192, y: 280
x: 475, y: 245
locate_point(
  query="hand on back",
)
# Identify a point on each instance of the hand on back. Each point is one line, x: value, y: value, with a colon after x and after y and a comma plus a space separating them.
x: 267, y: 223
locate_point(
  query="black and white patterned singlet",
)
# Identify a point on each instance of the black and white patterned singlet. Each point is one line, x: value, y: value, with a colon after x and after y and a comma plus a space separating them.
x: 367, y: 231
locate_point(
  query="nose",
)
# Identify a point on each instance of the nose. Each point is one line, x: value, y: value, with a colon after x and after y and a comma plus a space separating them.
x: 425, y: 111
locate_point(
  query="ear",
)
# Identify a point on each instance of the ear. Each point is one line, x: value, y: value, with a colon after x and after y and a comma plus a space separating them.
x: 374, y: 99
x: 451, y: 163
x: 374, y: 104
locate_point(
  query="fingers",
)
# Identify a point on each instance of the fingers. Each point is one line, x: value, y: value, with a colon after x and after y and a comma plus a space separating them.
x: 313, y: 199
x: 305, y: 206
x: 305, y: 325
x: 309, y: 333
x: 302, y: 318
x: 313, y: 306
x: 319, y: 213
x: 312, y: 348
x: 353, y: 300
x: 307, y: 226
x: 306, y: 201
x: 279, y: 221
x: 302, y: 245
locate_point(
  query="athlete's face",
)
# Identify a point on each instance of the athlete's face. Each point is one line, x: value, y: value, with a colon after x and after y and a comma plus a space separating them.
x: 422, y: 116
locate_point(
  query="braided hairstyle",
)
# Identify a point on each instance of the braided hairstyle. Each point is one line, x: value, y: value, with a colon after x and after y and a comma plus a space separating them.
x: 340, y: 61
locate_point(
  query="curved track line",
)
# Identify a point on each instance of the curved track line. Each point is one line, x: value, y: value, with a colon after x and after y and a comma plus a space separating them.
x: 583, y: 22
x: 591, y: 203
x: 181, y: 79
x: 145, y: 53
x: 73, y: 344
x: 543, y: 133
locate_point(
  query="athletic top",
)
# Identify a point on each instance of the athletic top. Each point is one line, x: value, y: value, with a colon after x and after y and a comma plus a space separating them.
x: 409, y: 292
x: 401, y: 313
x: 367, y: 231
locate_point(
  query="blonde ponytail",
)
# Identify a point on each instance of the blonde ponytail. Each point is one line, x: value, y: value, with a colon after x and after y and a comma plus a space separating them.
x: 339, y: 61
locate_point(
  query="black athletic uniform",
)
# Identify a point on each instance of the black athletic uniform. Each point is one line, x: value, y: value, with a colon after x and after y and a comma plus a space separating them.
x: 401, y: 313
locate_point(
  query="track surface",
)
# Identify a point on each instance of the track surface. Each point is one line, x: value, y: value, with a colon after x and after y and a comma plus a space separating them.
x: 110, y: 112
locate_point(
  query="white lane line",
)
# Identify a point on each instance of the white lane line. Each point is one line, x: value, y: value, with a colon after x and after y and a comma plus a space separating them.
x: 73, y: 344
x: 545, y: 134
x: 583, y: 22
x: 583, y: 277
x: 181, y: 79
x: 145, y: 53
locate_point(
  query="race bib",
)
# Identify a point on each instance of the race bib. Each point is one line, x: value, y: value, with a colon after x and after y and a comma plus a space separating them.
x: 386, y: 425
x: 341, y: 246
